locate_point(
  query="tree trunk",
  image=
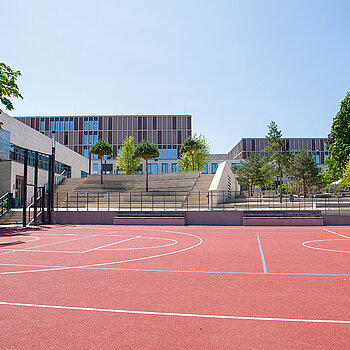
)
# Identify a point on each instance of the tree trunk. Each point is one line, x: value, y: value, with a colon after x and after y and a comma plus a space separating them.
x: 192, y: 161
x: 101, y: 172
x: 146, y: 175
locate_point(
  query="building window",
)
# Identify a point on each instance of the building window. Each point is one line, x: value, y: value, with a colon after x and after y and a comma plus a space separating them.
x: 152, y: 168
x: 86, y: 139
x: 61, y: 124
x: 52, y: 124
x: 95, y: 168
x: 175, y: 168
x: 86, y: 123
x: 214, y: 167
x: 71, y: 124
x: 164, y: 168
x: 66, y: 124
x: 95, y: 123
x: 205, y: 171
x: 57, y: 124
x: 42, y: 124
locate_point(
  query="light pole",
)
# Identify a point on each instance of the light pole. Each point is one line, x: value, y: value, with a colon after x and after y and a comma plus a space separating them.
x: 89, y: 158
x: 52, y: 177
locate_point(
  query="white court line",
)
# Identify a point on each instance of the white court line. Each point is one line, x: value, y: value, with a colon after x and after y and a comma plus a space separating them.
x: 116, y: 262
x: 157, y: 246
x: 156, y: 313
x: 45, y: 251
x: 305, y: 244
x: 336, y: 233
x: 326, y: 249
x: 106, y: 245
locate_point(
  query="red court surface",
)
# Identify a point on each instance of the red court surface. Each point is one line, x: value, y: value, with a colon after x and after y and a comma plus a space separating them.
x: 194, y: 287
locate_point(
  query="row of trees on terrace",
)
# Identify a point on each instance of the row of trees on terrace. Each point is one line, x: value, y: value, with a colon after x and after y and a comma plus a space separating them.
x: 194, y: 150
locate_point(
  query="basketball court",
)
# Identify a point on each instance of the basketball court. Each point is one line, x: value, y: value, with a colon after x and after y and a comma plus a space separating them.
x: 188, y: 287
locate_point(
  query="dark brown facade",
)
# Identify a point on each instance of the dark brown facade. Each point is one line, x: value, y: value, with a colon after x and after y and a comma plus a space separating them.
x: 80, y: 132
x: 257, y: 145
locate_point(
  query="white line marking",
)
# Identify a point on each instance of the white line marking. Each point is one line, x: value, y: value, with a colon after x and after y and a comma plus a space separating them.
x: 19, y: 237
x: 45, y: 251
x: 155, y: 313
x: 336, y: 233
x: 157, y: 246
x: 324, y: 240
x: 305, y: 244
x: 116, y: 262
x: 106, y: 245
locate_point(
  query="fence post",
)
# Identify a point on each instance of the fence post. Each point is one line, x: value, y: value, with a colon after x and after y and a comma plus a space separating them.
x: 141, y: 200
x: 119, y: 202
x: 87, y: 201
x: 98, y: 201
x: 130, y: 201
x: 67, y: 201
x: 175, y: 199
x: 77, y: 201
x: 108, y: 201
x: 152, y: 201
x: 199, y: 200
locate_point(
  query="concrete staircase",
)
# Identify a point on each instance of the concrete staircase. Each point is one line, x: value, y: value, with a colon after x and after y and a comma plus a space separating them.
x: 13, y: 217
x: 166, y: 191
x: 197, y: 197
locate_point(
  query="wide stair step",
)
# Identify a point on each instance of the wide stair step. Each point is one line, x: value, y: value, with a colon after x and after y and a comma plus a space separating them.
x: 283, y: 218
x: 168, y: 218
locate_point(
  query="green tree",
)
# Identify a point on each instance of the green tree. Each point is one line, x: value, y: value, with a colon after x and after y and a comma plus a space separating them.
x: 338, y: 141
x: 199, y: 158
x: 101, y: 148
x: 275, y: 150
x: 267, y: 173
x: 345, y: 181
x: 304, y: 171
x: 146, y: 150
x: 249, y: 173
x: 126, y: 161
x: 190, y: 147
x: 8, y: 86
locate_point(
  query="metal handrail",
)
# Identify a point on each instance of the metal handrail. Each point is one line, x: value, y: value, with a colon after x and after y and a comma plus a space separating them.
x: 7, y: 200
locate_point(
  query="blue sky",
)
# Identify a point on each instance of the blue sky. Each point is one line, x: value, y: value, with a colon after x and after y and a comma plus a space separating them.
x: 233, y: 65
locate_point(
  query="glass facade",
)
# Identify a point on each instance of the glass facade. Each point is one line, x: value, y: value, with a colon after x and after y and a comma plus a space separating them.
x: 17, y: 155
x: 214, y: 167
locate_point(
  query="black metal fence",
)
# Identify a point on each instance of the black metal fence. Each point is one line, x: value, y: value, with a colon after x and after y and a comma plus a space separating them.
x: 328, y: 203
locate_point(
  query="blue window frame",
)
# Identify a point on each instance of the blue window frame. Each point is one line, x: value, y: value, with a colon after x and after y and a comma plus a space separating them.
x: 96, y: 123
x: 91, y: 124
x: 86, y: 140
x: 71, y: 124
x: 66, y: 124
x: 164, y: 168
x: 175, y: 168
x: 152, y: 168
x: 61, y: 124
x: 95, y: 137
x: 42, y: 124
x: 86, y: 123
x: 52, y: 124
x: 57, y: 124
x: 205, y: 171
x: 214, y: 167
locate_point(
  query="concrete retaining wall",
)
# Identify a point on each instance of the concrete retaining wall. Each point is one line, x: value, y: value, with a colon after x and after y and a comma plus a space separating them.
x: 219, y: 218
